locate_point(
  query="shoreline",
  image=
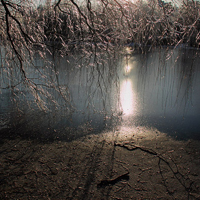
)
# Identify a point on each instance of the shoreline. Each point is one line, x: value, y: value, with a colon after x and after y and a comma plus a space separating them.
x: 136, y: 163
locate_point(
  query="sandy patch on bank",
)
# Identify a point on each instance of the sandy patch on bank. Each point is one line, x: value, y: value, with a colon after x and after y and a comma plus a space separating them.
x: 131, y: 163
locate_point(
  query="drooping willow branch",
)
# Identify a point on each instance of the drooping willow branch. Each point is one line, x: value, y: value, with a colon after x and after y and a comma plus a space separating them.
x: 92, y: 28
x: 79, y: 10
x: 7, y: 15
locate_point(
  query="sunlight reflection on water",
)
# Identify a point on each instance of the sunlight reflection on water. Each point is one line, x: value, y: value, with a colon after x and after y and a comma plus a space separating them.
x: 127, y: 97
x: 127, y: 69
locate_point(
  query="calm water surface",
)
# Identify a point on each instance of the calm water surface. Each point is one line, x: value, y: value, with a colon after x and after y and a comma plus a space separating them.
x: 159, y: 90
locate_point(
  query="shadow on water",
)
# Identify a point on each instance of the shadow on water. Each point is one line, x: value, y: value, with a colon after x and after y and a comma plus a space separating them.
x: 84, y: 96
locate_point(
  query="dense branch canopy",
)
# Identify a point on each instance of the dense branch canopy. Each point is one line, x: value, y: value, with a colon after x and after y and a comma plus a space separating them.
x: 91, y: 27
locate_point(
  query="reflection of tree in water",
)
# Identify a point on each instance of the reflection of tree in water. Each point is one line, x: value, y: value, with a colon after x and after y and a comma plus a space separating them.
x: 175, y: 70
x: 188, y: 67
x: 80, y: 99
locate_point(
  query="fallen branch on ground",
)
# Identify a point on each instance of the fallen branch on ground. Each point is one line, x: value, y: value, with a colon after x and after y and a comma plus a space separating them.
x: 113, y: 181
x: 180, y: 177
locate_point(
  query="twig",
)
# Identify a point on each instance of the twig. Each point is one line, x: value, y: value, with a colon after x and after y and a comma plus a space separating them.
x: 180, y: 177
x: 113, y: 181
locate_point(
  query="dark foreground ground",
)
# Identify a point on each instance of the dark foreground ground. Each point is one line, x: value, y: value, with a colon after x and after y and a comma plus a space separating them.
x: 128, y: 164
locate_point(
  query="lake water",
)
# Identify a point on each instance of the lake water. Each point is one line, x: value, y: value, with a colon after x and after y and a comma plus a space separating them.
x: 159, y: 89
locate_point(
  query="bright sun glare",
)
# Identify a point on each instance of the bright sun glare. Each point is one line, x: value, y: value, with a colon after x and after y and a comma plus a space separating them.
x: 127, y: 97
x: 127, y: 69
